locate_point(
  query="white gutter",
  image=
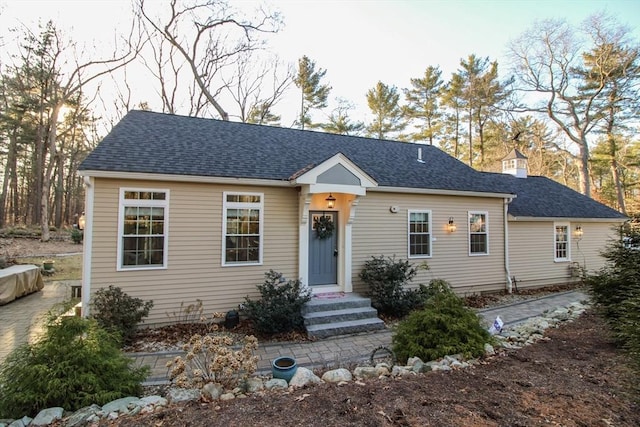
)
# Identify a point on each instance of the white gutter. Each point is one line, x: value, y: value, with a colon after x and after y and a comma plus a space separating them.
x: 440, y: 192
x: 87, y: 244
x: 507, y: 200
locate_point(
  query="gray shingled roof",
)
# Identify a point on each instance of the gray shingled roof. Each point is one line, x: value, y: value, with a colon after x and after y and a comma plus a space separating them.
x: 147, y: 142
x: 541, y: 197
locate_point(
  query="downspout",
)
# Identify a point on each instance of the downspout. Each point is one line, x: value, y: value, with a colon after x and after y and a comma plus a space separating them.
x: 509, y: 282
x: 87, y: 245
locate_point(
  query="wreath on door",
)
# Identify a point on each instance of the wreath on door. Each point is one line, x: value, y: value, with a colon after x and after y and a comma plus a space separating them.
x: 324, y: 226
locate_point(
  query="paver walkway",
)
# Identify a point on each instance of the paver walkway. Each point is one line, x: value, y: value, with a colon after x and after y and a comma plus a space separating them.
x: 21, y: 320
x: 346, y: 351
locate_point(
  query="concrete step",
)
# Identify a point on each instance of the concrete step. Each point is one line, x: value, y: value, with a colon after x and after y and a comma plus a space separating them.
x: 326, y: 330
x: 348, y: 301
x: 346, y: 314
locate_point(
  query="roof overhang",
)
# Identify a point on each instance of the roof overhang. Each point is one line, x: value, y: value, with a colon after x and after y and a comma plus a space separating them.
x: 337, y: 174
x: 442, y: 192
x: 184, y: 178
x: 564, y: 219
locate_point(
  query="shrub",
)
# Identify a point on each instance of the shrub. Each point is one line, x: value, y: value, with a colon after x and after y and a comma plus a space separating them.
x: 386, y: 279
x: 615, y: 291
x: 74, y: 364
x: 118, y: 312
x: 77, y: 236
x: 210, y: 359
x: 280, y: 308
x: 443, y: 327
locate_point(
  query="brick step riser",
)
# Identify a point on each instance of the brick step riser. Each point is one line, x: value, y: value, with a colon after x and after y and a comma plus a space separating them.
x: 345, y: 330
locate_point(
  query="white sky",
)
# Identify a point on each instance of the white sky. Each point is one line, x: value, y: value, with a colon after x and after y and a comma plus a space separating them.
x: 357, y: 42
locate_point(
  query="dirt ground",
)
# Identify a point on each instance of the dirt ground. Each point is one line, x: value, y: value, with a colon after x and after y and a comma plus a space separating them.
x: 16, y: 248
x: 576, y: 378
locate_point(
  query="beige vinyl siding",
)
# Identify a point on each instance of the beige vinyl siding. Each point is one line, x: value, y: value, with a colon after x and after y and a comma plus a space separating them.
x: 531, y: 251
x: 377, y: 231
x: 194, y: 263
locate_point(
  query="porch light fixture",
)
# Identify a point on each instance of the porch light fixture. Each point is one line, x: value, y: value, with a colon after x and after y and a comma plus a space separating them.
x: 579, y: 232
x: 82, y: 221
x: 452, y: 225
x: 331, y: 201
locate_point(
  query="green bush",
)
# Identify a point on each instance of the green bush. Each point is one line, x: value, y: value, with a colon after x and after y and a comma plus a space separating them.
x: 77, y: 236
x: 615, y: 291
x: 118, y: 312
x: 387, y: 279
x: 445, y: 326
x: 280, y: 306
x: 74, y: 364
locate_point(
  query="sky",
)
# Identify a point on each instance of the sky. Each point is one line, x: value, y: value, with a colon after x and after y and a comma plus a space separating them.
x: 360, y: 42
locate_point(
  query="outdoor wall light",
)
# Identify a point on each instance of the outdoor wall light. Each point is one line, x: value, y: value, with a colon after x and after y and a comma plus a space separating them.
x: 579, y: 232
x: 331, y: 201
x: 82, y: 221
x: 452, y: 225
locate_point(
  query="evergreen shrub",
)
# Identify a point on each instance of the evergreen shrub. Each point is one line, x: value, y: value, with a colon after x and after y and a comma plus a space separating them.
x: 615, y: 292
x: 445, y: 326
x: 387, y: 279
x: 117, y: 312
x: 280, y: 307
x: 75, y: 364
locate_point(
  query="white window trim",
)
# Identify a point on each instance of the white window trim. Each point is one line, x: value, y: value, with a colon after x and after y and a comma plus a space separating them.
x: 486, y: 217
x: 428, y: 212
x: 124, y: 203
x: 555, y: 241
x: 241, y: 205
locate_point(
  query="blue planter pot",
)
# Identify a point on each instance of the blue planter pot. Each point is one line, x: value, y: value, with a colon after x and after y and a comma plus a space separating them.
x: 284, y: 368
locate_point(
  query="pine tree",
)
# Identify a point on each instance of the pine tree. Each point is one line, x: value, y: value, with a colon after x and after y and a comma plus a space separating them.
x: 422, y: 105
x: 313, y: 93
x: 387, y: 113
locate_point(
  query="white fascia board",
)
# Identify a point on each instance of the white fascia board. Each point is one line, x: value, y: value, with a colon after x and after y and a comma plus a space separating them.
x: 336, y: 188
x: 185, y: 178
x: 443, y: 192
x: 311, y: 176
x: 562, y: 219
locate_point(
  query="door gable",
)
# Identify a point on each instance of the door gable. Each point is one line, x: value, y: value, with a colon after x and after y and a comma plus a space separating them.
x: 337, y: 174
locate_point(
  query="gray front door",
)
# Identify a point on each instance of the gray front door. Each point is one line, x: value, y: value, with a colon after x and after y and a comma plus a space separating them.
x: 323, y: 250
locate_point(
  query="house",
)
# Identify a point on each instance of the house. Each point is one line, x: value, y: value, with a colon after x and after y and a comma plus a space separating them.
x: 181, y: 209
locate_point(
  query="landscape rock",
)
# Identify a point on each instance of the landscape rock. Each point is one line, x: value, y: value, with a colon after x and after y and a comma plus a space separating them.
x: 183, y: 394
x: 337, y: 375
x: 121, y: 405
x: 276, y: 383
x: 212, y: 391
x: 47, y: 416
x: 489, y: 350
x: 227, y: 396
x: 364, y: 372
x: 81, y: 416
x: 254, y: 385
x: 304, y: 377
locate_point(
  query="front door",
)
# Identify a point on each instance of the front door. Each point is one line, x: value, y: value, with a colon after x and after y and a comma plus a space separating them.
x: 323, y: 248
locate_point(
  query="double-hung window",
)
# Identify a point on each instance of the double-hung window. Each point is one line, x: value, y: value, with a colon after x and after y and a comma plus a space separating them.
x: 242, y: 228
x: 142, y: 228
x: 478, y: 233
x: 562, y: 243
x: 419, y: 234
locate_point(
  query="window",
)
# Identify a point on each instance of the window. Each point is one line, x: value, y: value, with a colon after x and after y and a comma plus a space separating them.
x: 242, y: 228
x: 562, y: 243
x: 142, y: 228
x: 419, y: 234
x: 478, y: 233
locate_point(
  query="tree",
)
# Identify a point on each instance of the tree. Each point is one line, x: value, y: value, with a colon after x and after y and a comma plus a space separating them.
x: 612, y: 62
x: 387, y: 113
x: 210, y: 38
x: 340, y: 122
x: 549, y: 62
x: 53, y: 78
x: 481, y: 93
x: 422, y: 105
x: 313, y: 94
x: 452, y: 99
